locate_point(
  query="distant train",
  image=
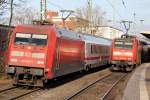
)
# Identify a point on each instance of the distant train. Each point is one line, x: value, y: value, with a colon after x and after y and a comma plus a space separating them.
x: 38, y: 53
x: 127, y: 52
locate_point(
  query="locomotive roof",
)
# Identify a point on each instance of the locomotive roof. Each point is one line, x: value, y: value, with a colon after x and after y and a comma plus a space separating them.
x: 141, y: 38
x: 35, y: 26
x: 72, y: 35
x: 59, y: 32
x: 85, y: 37
x: 68, y: 34
x: 97, y: 40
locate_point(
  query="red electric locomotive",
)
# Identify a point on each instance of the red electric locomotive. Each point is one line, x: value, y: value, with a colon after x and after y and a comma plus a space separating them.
x: 127, y: 52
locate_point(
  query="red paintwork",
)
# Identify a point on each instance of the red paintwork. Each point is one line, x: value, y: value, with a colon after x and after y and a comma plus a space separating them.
x: 27, y: 60
x: 50, y: 52
x: 122, y: 56
x: 97, y: 57
x: 69, y: 50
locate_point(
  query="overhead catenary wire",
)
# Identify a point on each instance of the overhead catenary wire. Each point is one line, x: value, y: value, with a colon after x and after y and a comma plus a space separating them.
x: 118, y: 14
x: 60, y: 7
x: 114, y: 9
x: 55, y: 5
x: 123, y: 3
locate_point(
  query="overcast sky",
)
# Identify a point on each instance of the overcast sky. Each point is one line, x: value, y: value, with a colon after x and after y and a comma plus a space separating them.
x: 139, y: 8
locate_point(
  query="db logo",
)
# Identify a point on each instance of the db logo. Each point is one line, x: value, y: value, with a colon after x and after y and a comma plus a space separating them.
x: 27, y: 54
x: 29, y: 48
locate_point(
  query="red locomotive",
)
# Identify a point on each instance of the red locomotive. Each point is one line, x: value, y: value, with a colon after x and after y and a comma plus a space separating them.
x: 38, y: 53
x: 127, y: 52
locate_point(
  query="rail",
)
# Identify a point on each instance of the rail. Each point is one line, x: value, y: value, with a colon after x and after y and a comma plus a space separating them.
x: 104, y: 97
x: 82, y: 89
x: 16, y: 92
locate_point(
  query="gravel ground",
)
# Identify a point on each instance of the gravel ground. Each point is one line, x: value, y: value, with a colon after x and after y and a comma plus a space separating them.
x: 118, y: 91
x: 96, y: 91
x: 5, y: 83
x: 61, y: 91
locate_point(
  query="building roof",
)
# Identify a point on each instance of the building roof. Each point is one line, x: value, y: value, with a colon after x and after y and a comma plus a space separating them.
x: 111, y: 27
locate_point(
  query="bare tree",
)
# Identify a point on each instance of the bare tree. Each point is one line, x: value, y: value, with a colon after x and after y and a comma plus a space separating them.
x: 3, y: 6
x: 7, y: 8
x: 98, y: 16
x: 2, y: 2
x: 24, y: 16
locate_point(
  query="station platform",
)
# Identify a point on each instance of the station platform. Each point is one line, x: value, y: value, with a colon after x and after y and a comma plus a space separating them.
x: 138, y: 87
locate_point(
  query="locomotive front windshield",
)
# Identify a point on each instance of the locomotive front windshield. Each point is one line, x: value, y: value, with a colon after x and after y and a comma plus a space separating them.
x: 31, y: 39
x: 127, y: 44
x: 118, y: 44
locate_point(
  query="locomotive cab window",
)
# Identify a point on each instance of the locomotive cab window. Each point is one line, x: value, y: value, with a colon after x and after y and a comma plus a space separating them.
x: 31, y: 39
x: 39, y: 39
x: 118, y: 44
x: 22, y: 38
x: 128, y: 45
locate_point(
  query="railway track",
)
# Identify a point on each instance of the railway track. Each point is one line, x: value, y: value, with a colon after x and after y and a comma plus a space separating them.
x: 108, y: 93
x: 14, y: 93
x: 103, y: 85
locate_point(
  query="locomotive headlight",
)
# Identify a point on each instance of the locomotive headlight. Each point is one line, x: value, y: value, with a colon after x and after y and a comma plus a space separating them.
x: 129, y: 54
x: 116, y: 53
x: 38, y: 55
x: 130, y: 59
x: 13, y: 60
x: 17, y: 53
x: 40, y: 62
